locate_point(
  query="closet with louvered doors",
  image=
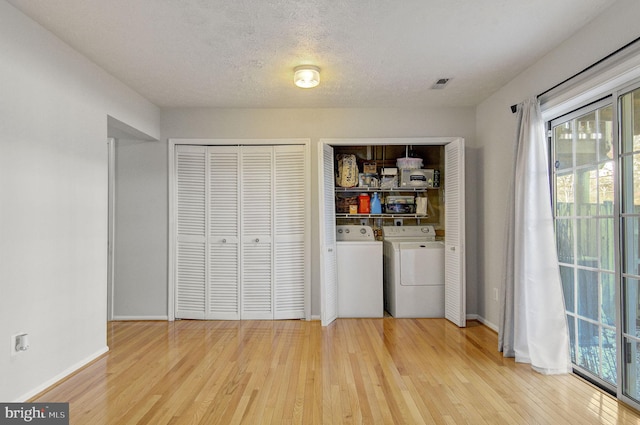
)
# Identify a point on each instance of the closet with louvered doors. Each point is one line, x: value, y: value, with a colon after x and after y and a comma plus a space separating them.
x: 241, y: 225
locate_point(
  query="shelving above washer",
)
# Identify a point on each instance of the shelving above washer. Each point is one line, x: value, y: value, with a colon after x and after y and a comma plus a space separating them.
x: 375, y: 189
x: 378, y: 168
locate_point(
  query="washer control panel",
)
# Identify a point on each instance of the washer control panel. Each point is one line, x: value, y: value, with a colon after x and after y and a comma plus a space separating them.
x: 427, y: 233
x: 353, y: 232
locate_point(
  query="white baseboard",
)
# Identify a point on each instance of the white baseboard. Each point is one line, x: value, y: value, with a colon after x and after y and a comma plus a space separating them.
x: 487, y: 323
x: 313, y: 317
x: 139, y: 318
x: 60, y: 376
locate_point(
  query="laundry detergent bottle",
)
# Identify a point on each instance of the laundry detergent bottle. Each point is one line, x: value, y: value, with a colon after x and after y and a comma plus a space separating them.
x: 376, y: 207
x: 363, y: 204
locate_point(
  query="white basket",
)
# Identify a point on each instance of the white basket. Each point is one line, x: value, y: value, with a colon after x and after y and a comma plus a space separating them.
x: 409, y: 163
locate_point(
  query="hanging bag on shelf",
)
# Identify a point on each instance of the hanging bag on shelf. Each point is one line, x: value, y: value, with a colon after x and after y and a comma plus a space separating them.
x: 347, y: 171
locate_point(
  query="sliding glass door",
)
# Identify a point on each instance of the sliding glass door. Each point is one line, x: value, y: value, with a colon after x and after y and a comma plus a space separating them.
x: 596, y: 191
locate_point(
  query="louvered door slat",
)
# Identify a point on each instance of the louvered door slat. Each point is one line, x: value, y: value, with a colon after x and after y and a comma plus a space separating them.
x: 256, y: 226
x: 329, y: 278
x: 289, y: 231
x: 223, y: 200
x: 256, y: 281
x: 455, y: 281
x: 190, y: 172
x: 190, y: 238
x: 289, y: 280
x: 191, y: 276
x: 256, y: 190
x: 224, y: 189
x: 224, y: 276
x: 289, y: 190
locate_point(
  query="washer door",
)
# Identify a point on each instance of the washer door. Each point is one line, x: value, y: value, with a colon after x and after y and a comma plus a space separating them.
x: 422, y: 264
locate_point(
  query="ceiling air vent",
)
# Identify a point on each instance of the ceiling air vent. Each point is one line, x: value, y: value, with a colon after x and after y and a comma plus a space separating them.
x: 440, y: 83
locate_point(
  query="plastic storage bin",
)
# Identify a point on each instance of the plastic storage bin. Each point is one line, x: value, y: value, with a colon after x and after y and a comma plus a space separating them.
x: 409, y: 163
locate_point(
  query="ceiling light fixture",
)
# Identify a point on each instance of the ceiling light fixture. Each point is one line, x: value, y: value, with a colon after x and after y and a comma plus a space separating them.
x: 306, y: 76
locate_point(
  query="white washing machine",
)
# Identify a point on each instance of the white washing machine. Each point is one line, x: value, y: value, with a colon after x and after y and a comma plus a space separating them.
x: 413, y: 272
x: 359, y: 263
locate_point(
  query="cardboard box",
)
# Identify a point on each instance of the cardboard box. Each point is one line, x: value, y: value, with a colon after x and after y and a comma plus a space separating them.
x: 369, y: 167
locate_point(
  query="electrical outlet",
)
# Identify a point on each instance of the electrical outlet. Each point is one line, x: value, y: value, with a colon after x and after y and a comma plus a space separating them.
x: 19, y: 343
x: 495, y: 294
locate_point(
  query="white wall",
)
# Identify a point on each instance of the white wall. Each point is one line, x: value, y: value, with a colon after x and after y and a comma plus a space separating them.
x: 611, y: 30
x: 140, y: 277
x: 335, y: 123
x: 53, y: 201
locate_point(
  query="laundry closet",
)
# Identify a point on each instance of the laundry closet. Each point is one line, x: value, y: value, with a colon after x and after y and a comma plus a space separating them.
x: 409, y: 194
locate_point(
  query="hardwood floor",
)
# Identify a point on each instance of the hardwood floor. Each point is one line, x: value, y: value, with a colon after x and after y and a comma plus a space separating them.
x: 369, y: 371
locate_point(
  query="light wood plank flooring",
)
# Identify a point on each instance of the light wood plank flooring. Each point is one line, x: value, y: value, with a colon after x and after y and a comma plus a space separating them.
x: 356, y: 371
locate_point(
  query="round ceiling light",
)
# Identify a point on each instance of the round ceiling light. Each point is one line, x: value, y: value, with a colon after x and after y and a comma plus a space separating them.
x: 306, y: 76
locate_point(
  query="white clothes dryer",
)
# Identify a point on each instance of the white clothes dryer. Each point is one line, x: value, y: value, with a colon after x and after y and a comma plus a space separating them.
x: 359, y: 271
x: 413, y: 272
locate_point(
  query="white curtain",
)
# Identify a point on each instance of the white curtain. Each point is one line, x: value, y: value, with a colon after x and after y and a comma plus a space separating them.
x: 533, y: 326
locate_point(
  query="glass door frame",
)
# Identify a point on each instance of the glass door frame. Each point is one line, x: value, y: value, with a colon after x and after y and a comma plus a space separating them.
x: 575, y: 217
x: 622, y: 378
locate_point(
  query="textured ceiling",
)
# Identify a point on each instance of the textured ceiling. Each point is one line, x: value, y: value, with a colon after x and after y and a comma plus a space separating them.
x: 372, y: 53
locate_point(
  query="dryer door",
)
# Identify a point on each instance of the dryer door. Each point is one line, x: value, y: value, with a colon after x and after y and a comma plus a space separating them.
x: 422, y: 264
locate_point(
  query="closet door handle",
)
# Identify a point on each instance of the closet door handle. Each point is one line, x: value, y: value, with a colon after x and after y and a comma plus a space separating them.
x: 257, y: 240
x: 224, y: 241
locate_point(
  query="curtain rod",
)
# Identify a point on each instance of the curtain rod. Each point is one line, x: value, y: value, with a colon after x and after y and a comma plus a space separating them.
x: 514, y: 108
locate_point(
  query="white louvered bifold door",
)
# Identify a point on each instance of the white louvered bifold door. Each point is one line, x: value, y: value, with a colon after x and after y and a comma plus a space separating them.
x: 289, y: 232
x: 191, y: 273
x: 455, y: 279
x: 241, y: 221
x: 328, y: 272
x: 224, y: 229
x: 256, y: 215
